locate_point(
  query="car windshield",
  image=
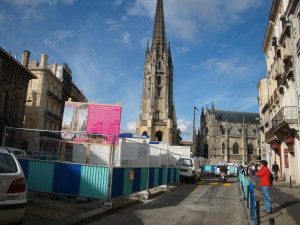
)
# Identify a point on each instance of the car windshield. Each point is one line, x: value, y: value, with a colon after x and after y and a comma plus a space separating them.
x: 185, y: 162
x: 7, y: 164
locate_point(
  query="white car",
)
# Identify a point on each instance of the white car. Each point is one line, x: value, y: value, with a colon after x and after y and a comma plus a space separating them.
x: 17, y: 152
x: 189, y: 169
x: 13, y: 190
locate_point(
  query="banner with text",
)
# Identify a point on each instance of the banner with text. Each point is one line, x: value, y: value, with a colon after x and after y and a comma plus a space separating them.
x: 94, y: 123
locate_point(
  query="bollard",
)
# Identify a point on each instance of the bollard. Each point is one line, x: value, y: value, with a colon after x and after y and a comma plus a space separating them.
x: 248, y: 195
x: 257, y: 213
x: 290, y: 182
x: 272, y: 221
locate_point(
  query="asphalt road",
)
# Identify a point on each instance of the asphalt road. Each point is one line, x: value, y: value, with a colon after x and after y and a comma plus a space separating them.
x: 208, y: 202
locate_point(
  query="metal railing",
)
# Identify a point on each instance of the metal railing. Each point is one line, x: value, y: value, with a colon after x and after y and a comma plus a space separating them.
x: 286, y: 115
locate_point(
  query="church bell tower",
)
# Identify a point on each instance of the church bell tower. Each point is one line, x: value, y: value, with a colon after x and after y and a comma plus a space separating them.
x: 157, y: 115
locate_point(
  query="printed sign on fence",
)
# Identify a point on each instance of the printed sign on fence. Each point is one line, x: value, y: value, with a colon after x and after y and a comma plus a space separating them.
x: 94, y: 123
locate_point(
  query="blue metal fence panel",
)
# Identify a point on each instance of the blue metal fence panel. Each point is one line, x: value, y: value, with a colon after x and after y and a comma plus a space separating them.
x: 66, y: 179
x: 94, y: 181
x: 40, y: 176
x: 117, y: 182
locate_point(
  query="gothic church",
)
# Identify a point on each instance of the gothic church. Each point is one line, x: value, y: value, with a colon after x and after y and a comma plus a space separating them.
x: 157, y: 115
x: 229, y: 136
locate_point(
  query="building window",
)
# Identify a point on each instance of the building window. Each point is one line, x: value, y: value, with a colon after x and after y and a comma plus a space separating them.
x: 158, y: 92
x: 222, y: 130
x: 206, y: 130
x: 223, y: 148
x: 158, y: 135
x: 145, y: 133
x: 235, y: 148
x: 250, y: 149
x: 158, y: 80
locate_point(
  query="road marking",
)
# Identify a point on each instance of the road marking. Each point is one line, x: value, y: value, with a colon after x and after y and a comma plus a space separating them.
x: 213, y: 183
x: 201, y: 182
x: 227, y: 184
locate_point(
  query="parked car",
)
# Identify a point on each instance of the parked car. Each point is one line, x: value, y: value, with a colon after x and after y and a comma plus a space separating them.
x: 190, y: 169
x: 17, y: 152
x: 13, y: 190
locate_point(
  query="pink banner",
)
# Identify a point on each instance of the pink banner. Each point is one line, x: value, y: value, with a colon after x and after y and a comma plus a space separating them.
x: 105, y: 120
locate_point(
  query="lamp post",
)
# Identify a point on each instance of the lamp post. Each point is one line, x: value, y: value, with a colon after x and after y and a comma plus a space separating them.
x: 194, y: 146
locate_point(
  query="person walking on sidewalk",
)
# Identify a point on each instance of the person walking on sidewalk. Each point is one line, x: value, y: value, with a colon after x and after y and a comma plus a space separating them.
x: 265, y: 183
x: 275, y: 169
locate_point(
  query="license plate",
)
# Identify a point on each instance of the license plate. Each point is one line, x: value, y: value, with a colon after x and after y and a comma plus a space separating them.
x: 183, y: 170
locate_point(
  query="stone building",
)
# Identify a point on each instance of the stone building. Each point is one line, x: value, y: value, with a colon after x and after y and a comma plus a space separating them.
x: 14, y: 79
x: 279, y: 95
x: 229, y: 136
x: 45, y: 93
x: 157, y: 115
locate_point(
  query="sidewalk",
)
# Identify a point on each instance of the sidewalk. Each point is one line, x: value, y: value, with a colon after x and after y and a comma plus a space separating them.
x: 286, y: 203
x: 49, y: 209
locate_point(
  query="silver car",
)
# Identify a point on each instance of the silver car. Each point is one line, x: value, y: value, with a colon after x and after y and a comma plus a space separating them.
x: 13, y: 190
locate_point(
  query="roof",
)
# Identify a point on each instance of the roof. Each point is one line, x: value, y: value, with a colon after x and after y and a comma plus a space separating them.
x: 28, y: 72
x: 235, y: 116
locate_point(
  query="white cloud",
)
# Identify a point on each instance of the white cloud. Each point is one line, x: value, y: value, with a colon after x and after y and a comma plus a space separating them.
x: 113, y: 25
x: 246, y: 103
x: 186, y: 19
x: 38, y: 2
x: 57, y: 37
x: 118, y: 2
x: 32, y: 14
x: 183, y: 49
x: 130, y: 127
x: 186, y: 128
x: 126, y: 38
x: 225, y: 66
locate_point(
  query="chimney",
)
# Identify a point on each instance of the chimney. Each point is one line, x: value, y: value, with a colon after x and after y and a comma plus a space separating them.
x: 25, y: 58
x: 44, y: 60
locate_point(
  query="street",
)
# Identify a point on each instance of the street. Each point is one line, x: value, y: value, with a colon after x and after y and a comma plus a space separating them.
x: 207, y: 202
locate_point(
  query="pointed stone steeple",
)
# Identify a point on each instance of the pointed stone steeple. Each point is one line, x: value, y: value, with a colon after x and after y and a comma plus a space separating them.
x: 159, y: 35
x: 157, y: 115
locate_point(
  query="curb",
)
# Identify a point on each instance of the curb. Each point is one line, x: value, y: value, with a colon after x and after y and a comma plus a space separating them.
x: 93, y: 214
x: 100, y: 212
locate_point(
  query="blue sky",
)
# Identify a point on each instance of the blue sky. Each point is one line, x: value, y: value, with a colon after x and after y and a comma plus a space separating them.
x: 216, y: 48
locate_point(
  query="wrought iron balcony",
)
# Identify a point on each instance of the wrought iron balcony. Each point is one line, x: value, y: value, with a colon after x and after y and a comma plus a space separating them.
x: 286, y: 115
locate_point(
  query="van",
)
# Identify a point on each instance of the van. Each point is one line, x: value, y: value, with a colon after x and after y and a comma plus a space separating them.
x: 190, y: 169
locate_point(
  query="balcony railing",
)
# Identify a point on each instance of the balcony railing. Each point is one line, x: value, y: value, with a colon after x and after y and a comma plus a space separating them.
x: 286, y: 115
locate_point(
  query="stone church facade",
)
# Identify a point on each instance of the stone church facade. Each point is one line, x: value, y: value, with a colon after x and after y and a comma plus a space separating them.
x: 157, y: 112
x: 229, y: 136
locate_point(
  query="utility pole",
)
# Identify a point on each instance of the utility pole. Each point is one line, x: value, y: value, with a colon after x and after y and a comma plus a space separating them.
x: 194, y: 145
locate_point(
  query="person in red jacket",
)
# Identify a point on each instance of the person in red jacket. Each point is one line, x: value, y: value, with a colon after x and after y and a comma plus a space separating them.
x: 265, y: 183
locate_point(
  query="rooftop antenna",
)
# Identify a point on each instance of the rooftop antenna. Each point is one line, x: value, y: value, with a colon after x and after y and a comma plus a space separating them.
x: 23, y: 46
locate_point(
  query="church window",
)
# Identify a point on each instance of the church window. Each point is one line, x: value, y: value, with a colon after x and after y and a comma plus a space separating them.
x: 157, y: 114
x: 158, y: 80
x: 222, y: 130
x: 206, y: 130
x: 159, y: 65
x: 250, y: 149
x: 158, y: 92
x: 235, y: 148
x: 223, y: 148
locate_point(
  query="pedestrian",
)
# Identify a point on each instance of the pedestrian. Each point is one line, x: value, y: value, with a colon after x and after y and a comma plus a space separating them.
x: 253, y: 169
x: 265, y: 183
x: 275, y: 169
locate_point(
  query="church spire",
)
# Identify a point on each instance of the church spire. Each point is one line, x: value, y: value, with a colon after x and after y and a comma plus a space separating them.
x: 159, y: 36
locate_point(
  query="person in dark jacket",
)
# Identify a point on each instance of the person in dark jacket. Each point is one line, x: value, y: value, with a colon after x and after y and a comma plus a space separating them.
x: 265, y: 183
x: 275, y: 169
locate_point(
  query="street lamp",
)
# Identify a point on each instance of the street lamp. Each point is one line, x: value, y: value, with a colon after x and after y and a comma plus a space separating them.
x: 194, y: 146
